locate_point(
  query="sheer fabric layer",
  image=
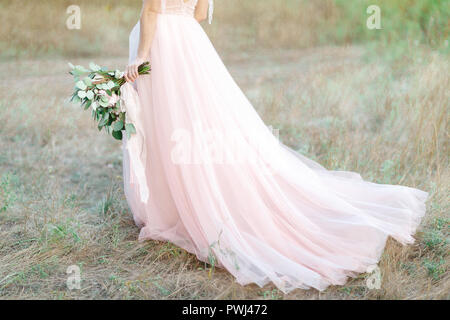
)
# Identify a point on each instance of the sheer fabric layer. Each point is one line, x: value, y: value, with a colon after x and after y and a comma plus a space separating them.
x: 281, y: 218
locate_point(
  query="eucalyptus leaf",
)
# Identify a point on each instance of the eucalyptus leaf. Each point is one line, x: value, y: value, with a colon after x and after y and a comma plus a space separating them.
x: 117, y: 135
x: 90, y: 95
x: 81, y: 85
x: 82, y: 94
x: 103, y: 103
x: 122, y: 117
x: 104, y: 120
x: 81, y: 69
x: 130, y: 129
x: 118, y: 126
x: 94, y: 67
x: 76, y: 73
x: 111, y: 84
x: 87, y: 81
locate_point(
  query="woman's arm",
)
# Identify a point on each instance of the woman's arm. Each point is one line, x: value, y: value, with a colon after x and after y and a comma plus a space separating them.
x: 201, y: 10
x: 149, y: 15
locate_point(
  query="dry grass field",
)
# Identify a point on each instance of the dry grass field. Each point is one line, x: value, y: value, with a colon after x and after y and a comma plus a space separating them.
x: 375, y: 102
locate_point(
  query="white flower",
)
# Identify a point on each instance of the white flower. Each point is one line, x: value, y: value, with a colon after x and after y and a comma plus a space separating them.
x: 118, y: 74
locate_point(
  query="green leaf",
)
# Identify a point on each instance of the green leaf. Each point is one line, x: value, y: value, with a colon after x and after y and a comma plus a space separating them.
x: 82, y: 94
x: 76, y: 73
x: 130, y: 129
x: 81, y: 69
x: 122, y: 117
x: 103, y: 103
x: 87, y: 105
x: 111, y: 84
x: 118, y: 126
x: 90, y: 95
x: 87, y: 81
x: 104, y: 120
x: 94, y: 67
x: 112, y: 119
x: 117, y: 135
x: 81, y: 85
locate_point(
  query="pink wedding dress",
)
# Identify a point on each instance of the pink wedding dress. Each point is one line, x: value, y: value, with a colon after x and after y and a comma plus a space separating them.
x: 209, y: 176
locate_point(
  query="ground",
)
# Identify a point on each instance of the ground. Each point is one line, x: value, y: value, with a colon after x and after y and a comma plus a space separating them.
x: 61, y: 192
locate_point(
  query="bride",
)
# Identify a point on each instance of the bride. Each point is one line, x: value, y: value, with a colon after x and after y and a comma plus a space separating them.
x: 209, y: 176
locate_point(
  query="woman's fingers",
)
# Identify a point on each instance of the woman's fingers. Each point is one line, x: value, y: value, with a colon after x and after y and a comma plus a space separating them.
x: 131, y: 73
x: 135, y: 72
x: 129, y: 77
x: 126, y: 75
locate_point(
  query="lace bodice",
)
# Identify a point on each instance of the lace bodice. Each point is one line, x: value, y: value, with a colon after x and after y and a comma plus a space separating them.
x: 179, y: 7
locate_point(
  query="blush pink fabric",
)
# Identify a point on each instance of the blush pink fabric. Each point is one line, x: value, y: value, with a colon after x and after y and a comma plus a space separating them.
x: 259, y: 209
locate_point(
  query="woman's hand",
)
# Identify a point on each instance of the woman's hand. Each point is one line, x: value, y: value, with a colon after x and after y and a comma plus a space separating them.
x: 131, y: 72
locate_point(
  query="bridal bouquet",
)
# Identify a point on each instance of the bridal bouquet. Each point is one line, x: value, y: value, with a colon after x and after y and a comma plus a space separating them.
x: 98, y: 89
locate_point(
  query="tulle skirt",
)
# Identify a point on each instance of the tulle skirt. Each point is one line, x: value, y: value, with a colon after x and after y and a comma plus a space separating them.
x: 222, y: 187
